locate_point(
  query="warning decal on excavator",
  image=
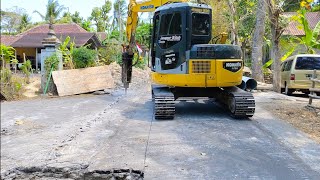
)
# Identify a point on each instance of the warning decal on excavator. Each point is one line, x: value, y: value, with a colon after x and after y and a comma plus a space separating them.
x: 169, y: 61
x: 174, y: 38
x: 232, y: 66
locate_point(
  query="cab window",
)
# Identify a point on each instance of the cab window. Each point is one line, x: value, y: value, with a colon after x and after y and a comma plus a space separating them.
x: 200, y: 24
x: 308, y: 63
x: 283, y: 66
x: 171, y: 24
x: 288, y: 66
x: 170, y: 30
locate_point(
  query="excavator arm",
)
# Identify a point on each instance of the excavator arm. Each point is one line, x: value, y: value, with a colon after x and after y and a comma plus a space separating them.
x: 134, y: 8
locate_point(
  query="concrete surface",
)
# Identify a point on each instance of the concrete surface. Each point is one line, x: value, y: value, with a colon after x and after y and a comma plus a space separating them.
x: 118, y: 131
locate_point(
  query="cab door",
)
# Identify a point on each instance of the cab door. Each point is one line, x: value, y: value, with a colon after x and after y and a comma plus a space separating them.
x: 286, y: 73
x: 283, y: 65
x: 170, y: 46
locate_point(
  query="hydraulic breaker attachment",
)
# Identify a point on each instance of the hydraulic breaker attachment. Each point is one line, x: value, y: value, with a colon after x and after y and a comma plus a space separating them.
x: 126, y: 73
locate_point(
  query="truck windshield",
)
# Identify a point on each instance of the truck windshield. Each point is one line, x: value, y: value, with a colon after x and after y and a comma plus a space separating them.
x: 200, y: 24
x: 308, y: 63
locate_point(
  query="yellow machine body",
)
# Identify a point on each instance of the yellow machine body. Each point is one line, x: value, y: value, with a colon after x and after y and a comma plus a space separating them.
x: 202, y: 73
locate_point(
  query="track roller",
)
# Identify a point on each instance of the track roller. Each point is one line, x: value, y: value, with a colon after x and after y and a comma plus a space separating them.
x: 239, y: 102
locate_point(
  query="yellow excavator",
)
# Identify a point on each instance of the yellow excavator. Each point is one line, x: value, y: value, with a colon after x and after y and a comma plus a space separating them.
x: 183, y: 63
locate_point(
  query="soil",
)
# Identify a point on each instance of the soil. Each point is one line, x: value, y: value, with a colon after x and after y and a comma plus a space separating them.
x: 139, y: 76
x: 32, y: 89
x: 294, y: 110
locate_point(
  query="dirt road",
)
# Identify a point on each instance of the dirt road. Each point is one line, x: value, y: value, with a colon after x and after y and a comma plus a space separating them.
x: 64, y: 137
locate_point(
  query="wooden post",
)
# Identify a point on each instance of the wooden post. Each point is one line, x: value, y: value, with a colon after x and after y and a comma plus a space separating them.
x: 313, y: 86
x: 36, y: 59
x: 24, y: 58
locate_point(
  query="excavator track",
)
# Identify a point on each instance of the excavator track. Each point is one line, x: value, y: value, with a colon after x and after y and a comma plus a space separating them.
x: 164, y: 102
x: 239, y: 102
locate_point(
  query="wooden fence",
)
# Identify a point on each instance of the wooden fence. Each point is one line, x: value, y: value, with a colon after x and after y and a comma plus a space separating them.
x: 313, y: 90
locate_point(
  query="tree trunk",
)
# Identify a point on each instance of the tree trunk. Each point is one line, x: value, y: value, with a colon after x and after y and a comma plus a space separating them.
x: 257, y: 43
x: 275, y: 54
x: 243, y: 47
x: 234, y: 30
x: 276, y: 31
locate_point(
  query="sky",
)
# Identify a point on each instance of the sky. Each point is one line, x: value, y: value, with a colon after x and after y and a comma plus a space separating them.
x: 83, y: 6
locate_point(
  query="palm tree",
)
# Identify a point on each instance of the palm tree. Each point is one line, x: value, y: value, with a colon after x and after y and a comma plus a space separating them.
x: 24, y: 23
x: 54, y: 9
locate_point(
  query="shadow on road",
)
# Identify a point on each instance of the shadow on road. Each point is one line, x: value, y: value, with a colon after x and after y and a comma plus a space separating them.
x: 208, y: 109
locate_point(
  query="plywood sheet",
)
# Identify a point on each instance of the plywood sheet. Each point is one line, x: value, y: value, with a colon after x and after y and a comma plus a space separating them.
x: 77, y: 81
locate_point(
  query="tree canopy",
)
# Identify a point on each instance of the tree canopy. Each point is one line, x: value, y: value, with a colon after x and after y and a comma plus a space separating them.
x: 53, y: 11
x: 11, y: 20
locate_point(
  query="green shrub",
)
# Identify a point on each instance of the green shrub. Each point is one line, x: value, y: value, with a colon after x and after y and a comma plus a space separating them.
x: 140, y: 62
x: 11, y: 86
x: 109, y: 54
x: 84, y: 57
x: 26, y: 69
x: 50, y: 61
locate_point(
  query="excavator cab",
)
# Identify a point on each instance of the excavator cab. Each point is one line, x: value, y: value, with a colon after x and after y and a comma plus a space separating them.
x: 177, y: 27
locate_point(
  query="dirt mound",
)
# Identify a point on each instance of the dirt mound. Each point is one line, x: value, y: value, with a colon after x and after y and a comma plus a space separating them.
x: 33, y: 88
x: 139, y: 76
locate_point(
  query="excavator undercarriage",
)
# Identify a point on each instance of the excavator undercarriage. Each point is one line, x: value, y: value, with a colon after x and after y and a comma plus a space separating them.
x: 238, y: 102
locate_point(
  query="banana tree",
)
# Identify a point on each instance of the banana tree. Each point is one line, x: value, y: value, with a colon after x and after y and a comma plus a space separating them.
x: 7, y: 54
x: 67, y: 52
x: 311, y: 39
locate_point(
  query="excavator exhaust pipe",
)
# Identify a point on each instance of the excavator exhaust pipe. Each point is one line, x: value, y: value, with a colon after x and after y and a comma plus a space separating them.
x: 250, y: 84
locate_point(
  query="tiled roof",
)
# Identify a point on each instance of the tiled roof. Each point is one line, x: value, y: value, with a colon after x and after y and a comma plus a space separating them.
x: 34, y: 40
x: 58, y: 28
x: 292, y: 29
x: 8, y: 39
x: 102, y: 35
x: 34, y: 37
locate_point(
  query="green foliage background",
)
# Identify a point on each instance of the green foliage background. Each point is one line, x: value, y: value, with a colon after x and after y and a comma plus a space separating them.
x: 84, y: 57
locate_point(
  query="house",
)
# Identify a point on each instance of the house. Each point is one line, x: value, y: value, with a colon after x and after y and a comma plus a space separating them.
x: 293, y: 27
x: 29, y: 43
